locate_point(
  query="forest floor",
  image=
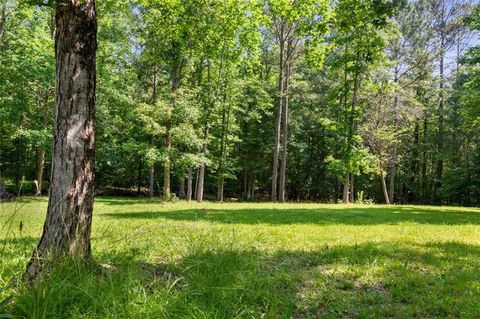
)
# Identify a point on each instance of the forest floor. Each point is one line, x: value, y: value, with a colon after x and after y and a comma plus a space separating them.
x: 215, y: 260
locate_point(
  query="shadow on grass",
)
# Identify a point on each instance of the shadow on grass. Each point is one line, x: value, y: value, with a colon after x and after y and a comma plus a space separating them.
x: 372, y: 280
x: 322, y: 216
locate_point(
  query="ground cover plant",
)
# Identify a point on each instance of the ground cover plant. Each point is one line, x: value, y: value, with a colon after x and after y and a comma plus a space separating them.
x: 251, y: 260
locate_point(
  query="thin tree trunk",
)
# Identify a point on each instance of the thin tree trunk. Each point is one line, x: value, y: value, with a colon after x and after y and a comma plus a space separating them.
x: 424, y: 160
x: 69, y: 216
x: 152, y: 180
x: 223, y: 146
x: 283, y: 167
x: 181, y: 187
x: 220, y: 186
x: 352, y: 188
x: 440, y: 144
x: 189, y: 184
x: 39, y: 171
x: 167, y: 166
x: 278, y: 119
x: 152, y: 140
x: 346, y: 189
x: 384, y: 187
x: 393, y: 163
x: 41, y: 153
x: 356, y: 87
x: 201, y: 174
x: 200, y: 185
x: 139, y: 177
x: 197, y: 174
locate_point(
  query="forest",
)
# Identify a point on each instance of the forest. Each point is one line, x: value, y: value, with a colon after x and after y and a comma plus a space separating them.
x: 239, y: 159
x: 258, y: 101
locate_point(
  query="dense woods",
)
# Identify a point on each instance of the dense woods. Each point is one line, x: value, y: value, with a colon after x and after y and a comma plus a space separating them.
x: 308, y: 100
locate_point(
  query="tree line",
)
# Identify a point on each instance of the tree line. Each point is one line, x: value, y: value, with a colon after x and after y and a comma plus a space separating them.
x: 309, y: 100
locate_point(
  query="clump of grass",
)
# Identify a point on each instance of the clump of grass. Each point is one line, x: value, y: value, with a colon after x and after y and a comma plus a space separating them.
x: 212, y: 260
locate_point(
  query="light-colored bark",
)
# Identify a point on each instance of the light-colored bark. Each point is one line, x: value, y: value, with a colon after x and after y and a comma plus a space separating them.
x: 39, y: 171
x: 384, y: 188
x: 346, y: 189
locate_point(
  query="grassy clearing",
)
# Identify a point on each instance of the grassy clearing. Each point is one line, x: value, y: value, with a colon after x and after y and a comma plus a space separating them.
x: 231, y: 260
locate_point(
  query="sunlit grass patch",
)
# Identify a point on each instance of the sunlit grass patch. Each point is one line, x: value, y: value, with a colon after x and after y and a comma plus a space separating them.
x: 213, y: 260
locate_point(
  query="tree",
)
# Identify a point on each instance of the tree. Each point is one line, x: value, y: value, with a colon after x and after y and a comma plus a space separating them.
x: 290, y: 23
x: 69, y: 216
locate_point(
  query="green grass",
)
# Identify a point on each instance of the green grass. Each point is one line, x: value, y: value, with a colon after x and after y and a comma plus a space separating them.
x: 251, y: 260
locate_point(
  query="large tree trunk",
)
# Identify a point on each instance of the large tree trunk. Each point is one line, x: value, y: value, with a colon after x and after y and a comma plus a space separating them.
x: 69, y: 216
x: 278, y: 119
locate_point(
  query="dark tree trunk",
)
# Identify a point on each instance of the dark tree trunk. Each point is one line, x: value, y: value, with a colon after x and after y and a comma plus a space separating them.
x: 189, y: 184
x: 181, y: 187
x: 4, y: 195
x: 69, y: 216
x: 152, y: 180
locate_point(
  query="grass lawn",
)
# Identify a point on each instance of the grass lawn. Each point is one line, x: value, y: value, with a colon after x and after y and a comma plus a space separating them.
x: 230, y: 260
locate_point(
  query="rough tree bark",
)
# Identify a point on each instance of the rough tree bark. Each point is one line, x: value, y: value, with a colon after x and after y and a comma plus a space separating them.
x: 68, y: 223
